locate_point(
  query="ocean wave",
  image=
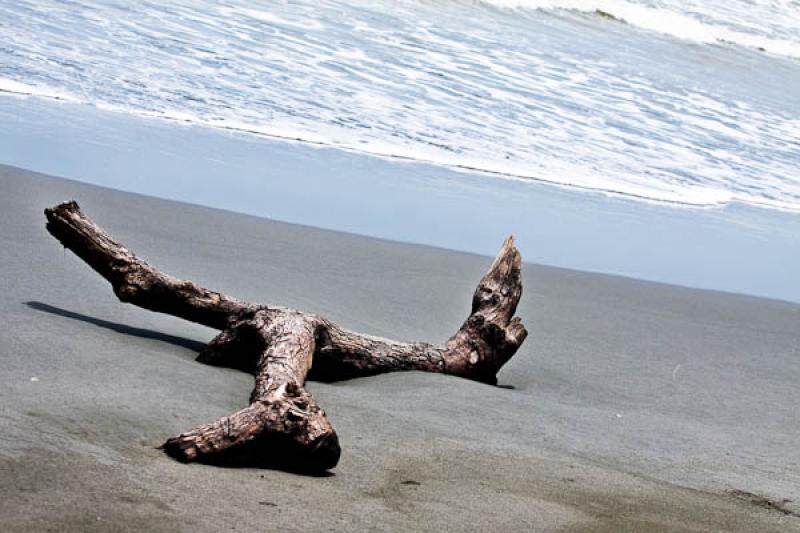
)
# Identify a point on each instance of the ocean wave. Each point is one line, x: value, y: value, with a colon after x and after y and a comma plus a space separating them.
x: 549, y: 99
x: 561, y: 174
x: 682, y: 22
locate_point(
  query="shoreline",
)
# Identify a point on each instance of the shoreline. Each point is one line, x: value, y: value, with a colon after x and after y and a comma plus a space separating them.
x: 633, y: 406
x: 735, y: 249
x: 400, y: 158
x: 624, y: 278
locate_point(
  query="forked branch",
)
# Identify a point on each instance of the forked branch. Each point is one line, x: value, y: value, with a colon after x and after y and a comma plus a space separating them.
x: 279, y: 345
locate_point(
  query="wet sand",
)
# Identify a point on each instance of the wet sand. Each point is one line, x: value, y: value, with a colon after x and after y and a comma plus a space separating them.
x: 636, y: 406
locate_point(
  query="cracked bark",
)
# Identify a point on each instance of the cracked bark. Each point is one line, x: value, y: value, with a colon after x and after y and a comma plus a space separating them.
x: 279, y: 345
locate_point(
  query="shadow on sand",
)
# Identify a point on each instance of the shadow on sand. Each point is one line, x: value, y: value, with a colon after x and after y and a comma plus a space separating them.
x: 195, y: 346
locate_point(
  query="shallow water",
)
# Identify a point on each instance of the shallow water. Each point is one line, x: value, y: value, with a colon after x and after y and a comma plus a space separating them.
x: 737, y: 248
x: 675, y: 104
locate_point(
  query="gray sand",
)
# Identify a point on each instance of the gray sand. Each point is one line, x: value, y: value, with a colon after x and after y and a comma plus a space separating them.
x: 636, y: 407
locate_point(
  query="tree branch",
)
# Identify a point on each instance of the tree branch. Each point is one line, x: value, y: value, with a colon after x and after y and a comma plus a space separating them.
x: 279, y: 346
x: 133, y: 280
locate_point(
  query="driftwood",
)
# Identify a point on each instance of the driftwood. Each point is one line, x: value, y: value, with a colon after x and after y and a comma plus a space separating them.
x: 279, y: 346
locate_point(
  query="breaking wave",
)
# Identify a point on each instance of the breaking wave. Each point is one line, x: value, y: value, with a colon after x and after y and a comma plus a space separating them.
x: 768, y: 26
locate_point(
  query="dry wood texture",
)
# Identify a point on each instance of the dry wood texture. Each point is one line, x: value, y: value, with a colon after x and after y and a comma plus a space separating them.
x: 279, y: 345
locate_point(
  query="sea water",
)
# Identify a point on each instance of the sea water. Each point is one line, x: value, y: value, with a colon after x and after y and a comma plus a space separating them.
x: 683, y: 104
x: 692, y: 102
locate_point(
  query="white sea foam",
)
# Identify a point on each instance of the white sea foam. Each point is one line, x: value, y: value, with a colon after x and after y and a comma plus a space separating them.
x: 540, y: 94
x: 767, y: 25
x: 23, y: 89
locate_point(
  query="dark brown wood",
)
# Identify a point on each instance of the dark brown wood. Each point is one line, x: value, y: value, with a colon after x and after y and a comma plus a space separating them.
x: 279, y: 345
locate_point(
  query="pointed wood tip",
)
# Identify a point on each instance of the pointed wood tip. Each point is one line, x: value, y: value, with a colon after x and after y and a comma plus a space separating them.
x: 509, y: 247
x: 507, y: 265
x: 500, y: 288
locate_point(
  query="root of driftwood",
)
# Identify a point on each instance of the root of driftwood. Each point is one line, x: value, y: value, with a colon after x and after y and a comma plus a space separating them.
x: 278, y: 345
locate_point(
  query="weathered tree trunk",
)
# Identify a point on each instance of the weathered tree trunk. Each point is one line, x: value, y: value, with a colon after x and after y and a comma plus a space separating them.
x: 279, y: 345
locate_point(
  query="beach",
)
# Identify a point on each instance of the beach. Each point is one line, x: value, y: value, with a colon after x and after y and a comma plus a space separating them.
x: 635, y: 406
x: 364, y: 161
